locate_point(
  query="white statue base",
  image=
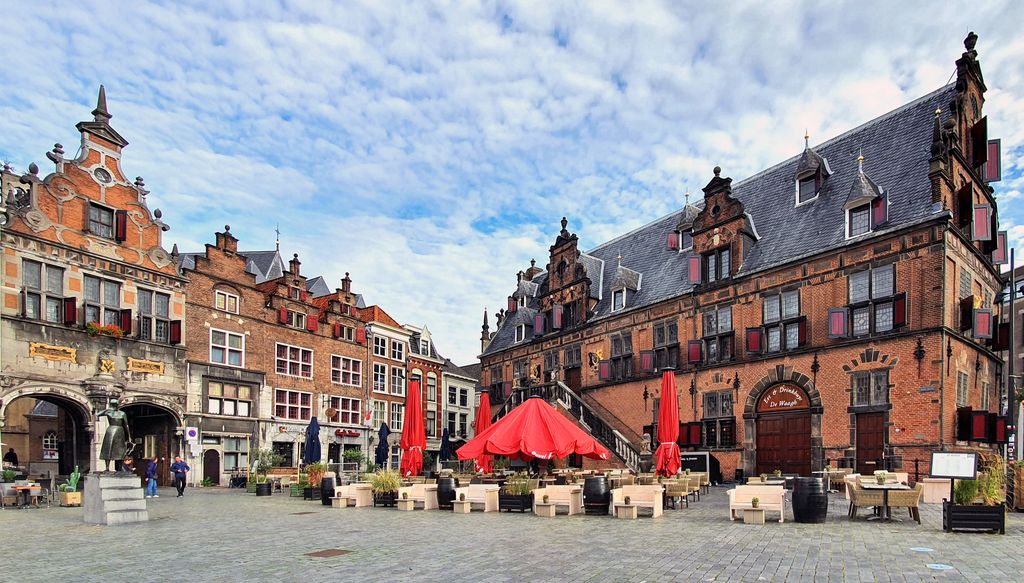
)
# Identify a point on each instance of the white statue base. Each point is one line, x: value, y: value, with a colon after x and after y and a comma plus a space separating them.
x: 114, y: 498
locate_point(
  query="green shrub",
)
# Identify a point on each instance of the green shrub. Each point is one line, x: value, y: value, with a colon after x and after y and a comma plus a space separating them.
x: 965, y: 492
x: 384, y: 481
x: 518, y: 485
x: 992, y: 483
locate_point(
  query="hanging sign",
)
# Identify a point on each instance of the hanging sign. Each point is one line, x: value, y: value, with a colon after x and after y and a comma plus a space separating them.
x: 782, y: 397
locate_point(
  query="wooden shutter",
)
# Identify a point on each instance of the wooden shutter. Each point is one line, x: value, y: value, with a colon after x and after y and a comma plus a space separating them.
x: 120, y: 225
x: 981, y: 224
x: 70, y: 311
x: 303, y: 296
x: 511, y: 304
x: 506, y: 388
x: 175, y: 332
x: 694, y: 351
x: 311, y: 321
x: 336, y: 330
x: 694, y: 433
x: 899, y: 310
x: 647, y: 361
x: 556, y: 316
x: 801, y: 332
x: 979, y: 142
x: 753, y: 343
x: 964, y: 205
x: 997, y: 428
x: 1001, y: 339
x: 880, y: 210
x: 673, y: 241
x: 983, y: 323
x: 604, y: 370
x: 361, y: 335
x: 684, y: 434
x: 967, y: 313
x: 999, y: 254
x: 693, y: 269
x: 963, y: 423
x: 838, y: 322
x: 538, y: 325
x: 126, y: 321
x: 282, y: 316
x: 979, y: 426
x: 992, y: 170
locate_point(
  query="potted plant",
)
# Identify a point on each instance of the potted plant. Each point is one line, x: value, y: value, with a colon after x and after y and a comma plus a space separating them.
x: 755, y: 502
x: 69, y: 494
x: 625, y: 500
x: 462, y: 497
x: 516, y: 494
x: 351, y: 459
x: 687, y: 471
x: 315, y: 476
x: 265, y: 459
x: 881, y: 478
x: 778, y: 473
x: 764, y: 477
x: 979, y: 504
x: 385, y: 484
x: 544, y: 499
x: 9, y: 475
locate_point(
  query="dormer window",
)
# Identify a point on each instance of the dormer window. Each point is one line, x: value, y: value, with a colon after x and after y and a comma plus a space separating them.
x: 520, y: 332
x: 716, y: 265
x: 618, y: 299
x: 867, y: 205
x: 858, y: 221
x: 296, y: 320
x: 686, y: 240
x: 811, y: 171
x: 294, y: 292
x: 522, y: 301
x: 807, y: 189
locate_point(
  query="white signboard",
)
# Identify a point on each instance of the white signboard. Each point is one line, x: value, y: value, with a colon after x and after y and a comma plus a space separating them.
x: 963, y: 466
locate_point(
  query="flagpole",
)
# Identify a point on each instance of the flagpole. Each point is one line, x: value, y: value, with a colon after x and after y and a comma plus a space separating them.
x: 1011, y: 408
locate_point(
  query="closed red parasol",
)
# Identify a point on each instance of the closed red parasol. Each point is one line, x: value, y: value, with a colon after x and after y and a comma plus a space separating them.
x: 533, y: 430
x: 413, y: 437
x: 484, y: 463
x: 667, y: 457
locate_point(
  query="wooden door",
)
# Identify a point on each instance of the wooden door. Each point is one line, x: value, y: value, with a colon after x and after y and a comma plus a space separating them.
x: 211, y: 466
x: 870, y: 442
x: 574, y: 379
x: 784, y: 443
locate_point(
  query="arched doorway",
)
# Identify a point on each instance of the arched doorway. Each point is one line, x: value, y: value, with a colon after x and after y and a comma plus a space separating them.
x: 784, y: 430
x: 211, y: 466
x: 49, y: 433
x: 153, y: 432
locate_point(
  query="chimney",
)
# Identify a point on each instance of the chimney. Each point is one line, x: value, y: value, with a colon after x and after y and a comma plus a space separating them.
x: 293, y: 265
x: 533, y: 270
x: 226, y: 241
x: 346, y: 283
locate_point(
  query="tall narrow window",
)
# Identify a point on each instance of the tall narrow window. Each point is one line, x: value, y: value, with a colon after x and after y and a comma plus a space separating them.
x: 397, y: 381
x: 666, y: 344
x: 622, y: 356
x: 154, y: 314
x: 808, y: 188
x: 860, y: 220
x: 716, y: 265
x: 718, y: 335
x: 44, y: 291
x: 101, y: 221
x: 102, y: 301
x: 380, y: 377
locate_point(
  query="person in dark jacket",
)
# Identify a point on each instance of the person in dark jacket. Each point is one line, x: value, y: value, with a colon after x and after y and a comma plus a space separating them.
x: 151, y: 478
x: 180, y: 469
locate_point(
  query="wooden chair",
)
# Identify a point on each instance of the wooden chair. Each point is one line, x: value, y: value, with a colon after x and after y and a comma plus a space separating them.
x: 909, y: 499
x: 861, y: 498
x: 679, y: 488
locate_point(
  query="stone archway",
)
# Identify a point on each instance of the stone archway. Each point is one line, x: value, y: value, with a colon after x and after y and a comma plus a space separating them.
x: 154, y: 428
x: 801, y: 386
x: 71, y: 417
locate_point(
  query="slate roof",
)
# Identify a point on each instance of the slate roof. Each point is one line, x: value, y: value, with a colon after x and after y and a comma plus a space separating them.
x: 896, y: 147
x: 265, y: 265
x: 318, y: 287
x: 472, y: 371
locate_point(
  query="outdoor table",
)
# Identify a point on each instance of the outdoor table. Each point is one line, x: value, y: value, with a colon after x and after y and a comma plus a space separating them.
x: 886, y: 515
x: 24, y: 492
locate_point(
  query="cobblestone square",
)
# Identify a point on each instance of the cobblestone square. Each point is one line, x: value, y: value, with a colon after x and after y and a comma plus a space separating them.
x: 227, y: 535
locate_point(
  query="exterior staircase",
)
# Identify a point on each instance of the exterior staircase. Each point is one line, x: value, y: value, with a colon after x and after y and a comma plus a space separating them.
x: 580, y: 410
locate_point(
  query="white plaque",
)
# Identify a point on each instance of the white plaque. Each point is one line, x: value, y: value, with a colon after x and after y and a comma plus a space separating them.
x: 962, y: 466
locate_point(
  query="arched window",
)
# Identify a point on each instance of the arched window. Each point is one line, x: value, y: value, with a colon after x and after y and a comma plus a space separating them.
x: 50, y: 440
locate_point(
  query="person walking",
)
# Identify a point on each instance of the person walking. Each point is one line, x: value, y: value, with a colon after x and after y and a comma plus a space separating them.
x: 180, y: 469
x: 151, y: 478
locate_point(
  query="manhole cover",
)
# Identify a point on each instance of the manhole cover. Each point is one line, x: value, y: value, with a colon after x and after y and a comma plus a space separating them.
x: 328, y: 553
x: 301, y: 513
x: 939, y: 567
x: 922, y: 549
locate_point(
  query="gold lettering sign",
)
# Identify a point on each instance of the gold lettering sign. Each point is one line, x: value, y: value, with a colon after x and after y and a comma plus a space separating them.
x: 50, y: 352
x: 782, y: 397
x: 150, y: 366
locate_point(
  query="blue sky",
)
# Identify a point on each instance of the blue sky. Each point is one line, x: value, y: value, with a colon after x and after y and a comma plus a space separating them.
x: 430, y: 149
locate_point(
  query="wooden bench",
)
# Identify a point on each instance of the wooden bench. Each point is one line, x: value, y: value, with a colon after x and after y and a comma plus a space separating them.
x: 642, y: 496
x: 359, y: 494
x: 425, y: 494
x: 570, y: 496
x: 769, y: 498
x: 485, y: 494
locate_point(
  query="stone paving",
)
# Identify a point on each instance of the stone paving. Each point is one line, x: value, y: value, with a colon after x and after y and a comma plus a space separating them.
x: 227, y: 535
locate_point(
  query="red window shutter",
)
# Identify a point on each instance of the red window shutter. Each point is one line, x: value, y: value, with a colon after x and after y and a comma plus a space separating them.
x: 506, y: 388
x: 694, y: 351
x: 979, y: 142
x: 693, y: 264
x: 753, y: 344
x: 981, y: 225
x: 556, y: 316
x: 979, y: 426
x: 175, y: 332
x: 1000, y: 430
x: 120, y: 225
x: 695, y: 433
x: 673, y: 241
x: 361, y: 335
x: 880, y: 210
x: 801, y: 332
x: 1001, y: 340
x: 604, y: 370
x: 511, y: 304
x: 538, y: 325
x: 647, y: 361
x: 983, y: 323
x: 336, y: 330
x: 899, y: 310
x: 684, y: 433
x: 999, y: 254
x: 303, y: 295
x: 311, y: 322
x: 70, y: 311
x: 126, y: 321
x: 992, y: 170
x: 838, y: 322
x: 282, y: 316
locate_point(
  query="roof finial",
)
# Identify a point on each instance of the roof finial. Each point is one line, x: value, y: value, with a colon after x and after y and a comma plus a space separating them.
x: 618, y: 258
x: 860, y: 160
x: 100, y: 113
x: 686, y: 195
x: 277, y: 240
x: 533, y: 263
x: 807, y: 137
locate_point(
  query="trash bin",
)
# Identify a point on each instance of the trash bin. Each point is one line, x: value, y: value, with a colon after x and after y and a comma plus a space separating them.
x: 326, y: 490
x: 810, y: 500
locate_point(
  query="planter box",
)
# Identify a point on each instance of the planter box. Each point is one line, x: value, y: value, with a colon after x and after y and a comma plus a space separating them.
x: 250, y: 487
x: 628, y: 511
x: 310, y: 493
x: 264, y: 489
x: 339, y: 502
x: 406, y: 505
x: 546, y: 510
x: 461, y: 507
x: 1018, y: 488
x: 386, y: 499
x: 511, y: 502
x: 973, y: 517
x: 753, y: 516
x: 70, y: 498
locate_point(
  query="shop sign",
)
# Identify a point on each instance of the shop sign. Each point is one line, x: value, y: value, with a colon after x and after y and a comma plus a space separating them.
x: 51, y: 352
x: 782, y: 397
x: 147, y: 366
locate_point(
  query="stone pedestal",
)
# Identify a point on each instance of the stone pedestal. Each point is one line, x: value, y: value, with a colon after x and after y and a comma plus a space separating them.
x: 114, y: 498
x: 461, y: 507
x: 406, y: 505
x: 339, y: 502
x: 545, y: 509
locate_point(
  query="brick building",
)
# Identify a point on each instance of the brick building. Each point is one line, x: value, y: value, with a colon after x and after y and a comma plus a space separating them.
x: 426, y: 366
x: 388, y: 346
x: 83, y: 250
x: 835, y: 306
x: 265, y: 356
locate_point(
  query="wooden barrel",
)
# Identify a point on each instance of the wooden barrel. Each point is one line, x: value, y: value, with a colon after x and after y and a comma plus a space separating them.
x: 446, y: 492
x: 596, y: 495
x: 810, y: 500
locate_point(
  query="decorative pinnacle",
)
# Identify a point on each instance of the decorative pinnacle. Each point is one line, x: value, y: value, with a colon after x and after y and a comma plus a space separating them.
x: 619, y: 259
x: 860, y: 161
x: 686, y: 195
x: 807, y: 137
x: 100, y: 113
x: 718, y: 170
x: 938, y: 111
x: 227, y: 228
x: 565, y: 223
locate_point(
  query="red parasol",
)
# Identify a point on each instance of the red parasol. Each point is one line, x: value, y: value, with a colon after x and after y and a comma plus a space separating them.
x: 484, y: 463
x: 413, y: 437
x: 667, y: 457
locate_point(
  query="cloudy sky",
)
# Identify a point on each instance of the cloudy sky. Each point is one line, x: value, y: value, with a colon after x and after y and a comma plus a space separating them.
x: 430, y: 149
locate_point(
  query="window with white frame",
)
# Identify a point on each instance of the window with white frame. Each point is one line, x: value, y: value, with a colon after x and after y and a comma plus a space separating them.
x: 227, y: 348
x: 346, y: 371
x: 380, y: 346
x: 425, y: 347
x: 290, y: 404
x: 431, y: 387
x: 296, y: 320
x: 397, y: 381
x: 102, y: 301
x: 431, y: 424
x: 463, y: 397
x: 50, y: 440
x: 452, y: 423
x: 807, y: 188
x: 154, y: 315
x: 397, y: 350
x: 101, y: 221
x: 453, y: 395
x: 294, y: 361
x: 229, y: 399
x: 962, y: 390
x: 44, y: 291
x: 225, y: 302
x: 347, y: 410
x: 380, y: 378
x: 463, y: 424
x: 236, y: 453
x: 397, y: 415
x: 858, y: 220
x: 520, y: 332
x: 618, y: 299
x: 686, y: 240
x: 380, y: 413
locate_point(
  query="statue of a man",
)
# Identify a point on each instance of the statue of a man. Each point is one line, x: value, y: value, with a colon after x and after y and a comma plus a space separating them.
x: 115, y: 439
